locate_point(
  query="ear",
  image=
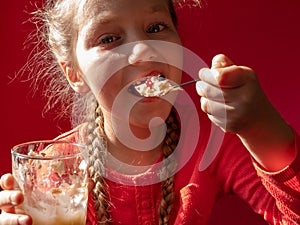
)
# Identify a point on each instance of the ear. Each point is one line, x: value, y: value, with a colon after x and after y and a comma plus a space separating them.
x: 75, y: 80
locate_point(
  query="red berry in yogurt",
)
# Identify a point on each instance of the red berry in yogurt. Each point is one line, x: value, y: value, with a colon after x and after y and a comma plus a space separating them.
x: 149, y: 83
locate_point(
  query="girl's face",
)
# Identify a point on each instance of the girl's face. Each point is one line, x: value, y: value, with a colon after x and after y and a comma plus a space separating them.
x: 122, y: 41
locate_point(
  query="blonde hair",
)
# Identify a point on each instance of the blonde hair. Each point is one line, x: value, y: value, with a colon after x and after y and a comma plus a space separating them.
x: 97, y: 149
x: 58, y: 25
x: 57, y: 28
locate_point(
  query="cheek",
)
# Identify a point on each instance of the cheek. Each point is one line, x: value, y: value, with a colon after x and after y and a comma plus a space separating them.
x: 99, y: 69
x: 110, y: 91
x: 176, y: 75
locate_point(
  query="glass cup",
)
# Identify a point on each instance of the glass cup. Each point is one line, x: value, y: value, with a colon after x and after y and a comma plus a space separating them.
x: 54, y: 180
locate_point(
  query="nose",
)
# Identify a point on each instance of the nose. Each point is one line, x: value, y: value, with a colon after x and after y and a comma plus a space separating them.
x: 141, y: 52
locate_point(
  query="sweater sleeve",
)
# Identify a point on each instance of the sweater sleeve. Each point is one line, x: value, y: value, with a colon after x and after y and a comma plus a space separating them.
x: 284, y: 187
x: 275, y: 196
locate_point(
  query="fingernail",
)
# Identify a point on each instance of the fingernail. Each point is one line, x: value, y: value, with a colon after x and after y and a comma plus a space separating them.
x: 199, y: 84
x: 23, y: 220
x: 3, y: 181
x: 203, y: 71
x: 205, y: 74
x: 219, y: 64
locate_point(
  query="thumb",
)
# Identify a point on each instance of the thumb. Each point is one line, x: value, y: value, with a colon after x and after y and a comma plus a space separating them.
x: 221, y: 61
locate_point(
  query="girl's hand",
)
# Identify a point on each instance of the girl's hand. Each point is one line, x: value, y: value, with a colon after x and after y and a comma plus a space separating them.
x: 231, y: 95
x: 234, y: 100
x: 9, y: 198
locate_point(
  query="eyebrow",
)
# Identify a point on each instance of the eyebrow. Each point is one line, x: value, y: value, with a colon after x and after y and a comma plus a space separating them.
x: 94, y: 26
x: 157, y: 8
x: 106, y: 20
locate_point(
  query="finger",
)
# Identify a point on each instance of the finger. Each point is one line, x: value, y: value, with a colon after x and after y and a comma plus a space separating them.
x: 216, y: 112
x: 221, y: 61
x: 14, y: 219
x: 220, y: 122
x: 229, y: 77
x: 235, y: 76
x: 8, y: 199
x: 213, y: 108
x: 210, y: 92
x: 7, y: 182
x: 209, y: 76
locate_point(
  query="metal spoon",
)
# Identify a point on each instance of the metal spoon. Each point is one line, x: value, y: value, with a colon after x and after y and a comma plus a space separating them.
x: 186, y: 83
x: 159, y: 93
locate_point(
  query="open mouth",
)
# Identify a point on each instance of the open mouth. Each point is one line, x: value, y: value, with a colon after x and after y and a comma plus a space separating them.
x: 152, y: 86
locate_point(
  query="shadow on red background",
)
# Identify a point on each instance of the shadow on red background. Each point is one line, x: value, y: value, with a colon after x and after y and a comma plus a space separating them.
x: 263, y: 35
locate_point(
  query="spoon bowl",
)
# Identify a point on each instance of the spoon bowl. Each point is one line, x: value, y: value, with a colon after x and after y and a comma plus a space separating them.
x: 155, y: 86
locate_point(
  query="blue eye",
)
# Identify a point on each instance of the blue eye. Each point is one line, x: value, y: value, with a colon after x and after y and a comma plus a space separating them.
x: 155, y: 28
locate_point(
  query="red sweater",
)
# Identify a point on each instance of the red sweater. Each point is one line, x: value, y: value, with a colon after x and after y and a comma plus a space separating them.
x: 273, y: 195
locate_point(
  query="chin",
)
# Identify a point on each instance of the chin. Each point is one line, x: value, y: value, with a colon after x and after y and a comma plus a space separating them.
x: 141, y: 116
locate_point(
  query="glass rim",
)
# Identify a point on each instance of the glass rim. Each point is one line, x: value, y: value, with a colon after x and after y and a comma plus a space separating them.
x: 14, y: 149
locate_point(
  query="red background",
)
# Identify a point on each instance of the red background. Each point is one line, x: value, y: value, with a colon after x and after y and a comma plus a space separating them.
x: 263, y: 35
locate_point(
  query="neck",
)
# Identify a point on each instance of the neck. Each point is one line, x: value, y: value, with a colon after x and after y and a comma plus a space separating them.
x: 130, y: 155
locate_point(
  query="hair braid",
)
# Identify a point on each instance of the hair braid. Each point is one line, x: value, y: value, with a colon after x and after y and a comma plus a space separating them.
x: 97, y: 151
x: 171, y: 141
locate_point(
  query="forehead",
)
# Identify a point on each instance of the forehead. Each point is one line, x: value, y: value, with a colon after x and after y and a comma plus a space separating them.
x: 95, y: 13
x: 90, y: 9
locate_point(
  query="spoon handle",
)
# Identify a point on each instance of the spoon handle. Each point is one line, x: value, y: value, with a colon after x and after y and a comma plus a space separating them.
x: 186, y: 83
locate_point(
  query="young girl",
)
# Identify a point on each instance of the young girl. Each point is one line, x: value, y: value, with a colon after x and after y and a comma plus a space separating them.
x: 160, y: 160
